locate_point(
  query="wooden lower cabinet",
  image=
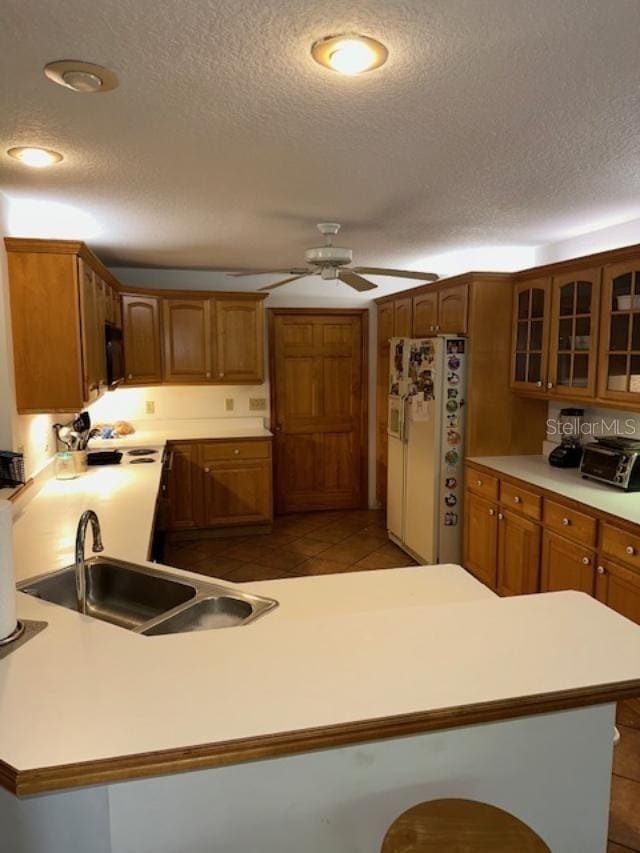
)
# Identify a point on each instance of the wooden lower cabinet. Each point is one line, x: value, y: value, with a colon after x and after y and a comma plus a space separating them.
x: 220, y: 483
x: 481, y: 538
x: 566, y: 565
x: 619, y: 588
x: 518, y: 555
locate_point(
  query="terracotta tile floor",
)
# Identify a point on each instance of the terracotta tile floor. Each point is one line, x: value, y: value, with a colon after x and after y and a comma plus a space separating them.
x: 306, y: 544
x: 353, y: 541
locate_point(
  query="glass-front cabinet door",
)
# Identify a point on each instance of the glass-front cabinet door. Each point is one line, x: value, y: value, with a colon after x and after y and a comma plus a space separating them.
x: 575, y: 302
x: 619, y: 377
x: 530, y: 335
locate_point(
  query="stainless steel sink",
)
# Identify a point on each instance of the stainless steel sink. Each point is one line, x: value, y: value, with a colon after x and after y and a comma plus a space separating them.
x: 148, y: 600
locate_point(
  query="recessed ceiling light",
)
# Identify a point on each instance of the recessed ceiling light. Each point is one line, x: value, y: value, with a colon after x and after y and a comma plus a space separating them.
x: 349, y: 53
x: 83, y: 77
x: 36, y: 157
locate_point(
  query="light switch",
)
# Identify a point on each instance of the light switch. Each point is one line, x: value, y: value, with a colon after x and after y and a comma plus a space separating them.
x: 257, y: 404
x: 228, y: 404
x: 150, y: 407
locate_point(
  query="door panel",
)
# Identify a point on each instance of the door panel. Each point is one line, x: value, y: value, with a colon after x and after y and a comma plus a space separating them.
x: 237, y: 493
x: 182, y: 487
x: 530, y: 335
x: 566, y: 565
x: 187, y: 340
x: 318, y: 410
x: 480, y: 538
x: 385, y: 332
x: 402, y: 317
x: 141, y: 334
x: 619, y: 588
x: 518, y: 555
x: 239, y: 340
x: 452, y: 310
x: 425, y: 315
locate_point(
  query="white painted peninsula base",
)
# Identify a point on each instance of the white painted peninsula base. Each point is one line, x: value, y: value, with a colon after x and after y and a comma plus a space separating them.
x: 553, y: 771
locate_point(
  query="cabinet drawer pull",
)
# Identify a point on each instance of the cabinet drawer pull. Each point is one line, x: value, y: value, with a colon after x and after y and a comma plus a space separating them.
x: 549, y: 385
x: 437, y: 328
x: 492, y: 512
x: 517, y: 499
x: 586, y: 561
x: 221, y: 375
x: 601, y: 570
x: 130, y: 376
x: 208, y: 374
x: 236, y: 452
x: 500, y: 516
x: 478, y: 482
x: 432, y: 328
x: 566, y: 521
x: 539, y: 383
x: 207, y: 470
x: 630, y: 550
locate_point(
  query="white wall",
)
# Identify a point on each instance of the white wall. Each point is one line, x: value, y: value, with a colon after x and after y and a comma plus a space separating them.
x: 310, y: 293
x: 30, y: 434
x: 612, y: 237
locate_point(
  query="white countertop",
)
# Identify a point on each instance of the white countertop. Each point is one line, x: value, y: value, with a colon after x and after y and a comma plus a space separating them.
x: 158, y: 432
x: 567, y: 482
x: 338, y: 649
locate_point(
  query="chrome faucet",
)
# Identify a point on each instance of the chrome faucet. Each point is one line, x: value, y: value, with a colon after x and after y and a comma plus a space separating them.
x: 81, y: 571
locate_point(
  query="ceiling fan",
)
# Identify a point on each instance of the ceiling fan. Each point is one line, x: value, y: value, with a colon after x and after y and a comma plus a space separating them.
x: 330, y: 262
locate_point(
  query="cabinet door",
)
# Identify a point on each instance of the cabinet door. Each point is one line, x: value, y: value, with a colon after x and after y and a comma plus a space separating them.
x: 187, y: 340
x: 237, y: 493
x: 239, y: 340
x: 385, y: 332
x: 530, y: 335
x: 518, y: 554
x: 183, y: 487
x: 403, y: 317
x: 425, y: 315
x: 480, y: 538
x: 575, y: 304
x: 92, y: 322
x: 566, y: 565
x: 452, y: 310
x: 141, y: 336
x: 619, y: 377
x: 619, y: 588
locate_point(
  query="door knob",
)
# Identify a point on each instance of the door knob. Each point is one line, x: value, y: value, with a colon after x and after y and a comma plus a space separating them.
x: 586, y: 561
x: 601, y: 570
x: 566, y: 521
x: 630, y: 550
x: 517, y: 499
x: 492, y: 512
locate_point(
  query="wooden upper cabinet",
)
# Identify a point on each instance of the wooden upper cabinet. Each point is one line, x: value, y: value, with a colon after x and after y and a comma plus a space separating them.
x: 531, y: 321
x: 425, y: 314
x: 385, y: 323
x: 403, y: 317
x: 187, y: 340
x: 141, y: 335
x: 566, y: 565
x: 452, y: 310
x: 619, y: 373
x: 239, y: 339
x: 93, y: 294
x: 575, y: 307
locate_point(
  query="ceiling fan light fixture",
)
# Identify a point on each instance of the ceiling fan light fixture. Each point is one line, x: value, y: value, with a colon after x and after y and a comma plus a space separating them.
x: 86, y: 78
x: 37, y: 158
x: 350, y: 53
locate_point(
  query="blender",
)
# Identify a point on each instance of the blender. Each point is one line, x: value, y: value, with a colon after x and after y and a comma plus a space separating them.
x: 569, y: 452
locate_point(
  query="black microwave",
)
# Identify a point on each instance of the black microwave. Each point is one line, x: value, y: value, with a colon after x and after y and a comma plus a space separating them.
x: 115, y: 355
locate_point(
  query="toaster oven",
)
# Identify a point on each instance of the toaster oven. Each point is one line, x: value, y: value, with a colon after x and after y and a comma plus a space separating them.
x: 615, y: 461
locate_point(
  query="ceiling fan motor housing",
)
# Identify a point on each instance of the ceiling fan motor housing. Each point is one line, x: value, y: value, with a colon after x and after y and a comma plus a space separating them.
x: 333, y: 255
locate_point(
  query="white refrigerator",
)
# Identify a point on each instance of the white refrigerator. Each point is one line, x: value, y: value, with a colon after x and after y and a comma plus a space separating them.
x: 426, y: 446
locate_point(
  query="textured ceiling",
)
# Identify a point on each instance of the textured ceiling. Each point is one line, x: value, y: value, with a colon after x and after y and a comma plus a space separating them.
x: 493, y: 122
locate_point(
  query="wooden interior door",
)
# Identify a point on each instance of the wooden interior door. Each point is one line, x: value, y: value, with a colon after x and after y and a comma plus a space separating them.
x: 319, y: 395
x: 385, y: 333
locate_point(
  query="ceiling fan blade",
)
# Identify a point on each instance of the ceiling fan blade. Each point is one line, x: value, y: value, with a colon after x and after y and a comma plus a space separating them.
x: 356, y: 281
x: 284, y: 281
x: 290, y: 271
x: 421, y: 276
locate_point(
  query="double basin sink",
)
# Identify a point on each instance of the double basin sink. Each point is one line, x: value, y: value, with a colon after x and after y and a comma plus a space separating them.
x: 148, y: 600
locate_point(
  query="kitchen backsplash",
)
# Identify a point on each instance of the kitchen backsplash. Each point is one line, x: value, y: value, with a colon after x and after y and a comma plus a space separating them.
x: 167, y: 402
x: 596, y: 422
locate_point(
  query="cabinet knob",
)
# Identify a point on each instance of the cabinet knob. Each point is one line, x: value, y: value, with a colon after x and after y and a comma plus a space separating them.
x: 130, y: 376
x: 207, y: 470
x: 437, y: 328
x: 566, y: 521
x: 208, y: 374
x: 601, y: 570
x: 539, y: 383
x: 221, y: 375
x: 432, y: 328
x: 500, y: 516
x: 478, y: 482
x: 549, y: 385
x: 492, y: 512
x: 586, y: 561
x: 517, y: 499
x: 630, y: 550
x: 236, y: 452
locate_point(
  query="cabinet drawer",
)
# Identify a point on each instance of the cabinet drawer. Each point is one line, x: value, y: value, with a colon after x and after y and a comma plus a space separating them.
x: 570, y: 522
x: 528, y: 503
x: 482, y: 484
x: 235, y: 450
x: 624, y: 546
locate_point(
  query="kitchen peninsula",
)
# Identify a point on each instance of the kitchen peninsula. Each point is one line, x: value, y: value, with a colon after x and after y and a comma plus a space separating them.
x: 311, y: 728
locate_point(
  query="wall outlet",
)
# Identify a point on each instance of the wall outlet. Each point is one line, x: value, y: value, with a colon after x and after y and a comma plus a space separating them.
x: 150, y: 407
x: 257, y: 404
x: 228, y: 404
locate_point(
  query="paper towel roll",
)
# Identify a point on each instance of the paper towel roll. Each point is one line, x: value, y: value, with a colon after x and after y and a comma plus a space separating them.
x: 8, y: 619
